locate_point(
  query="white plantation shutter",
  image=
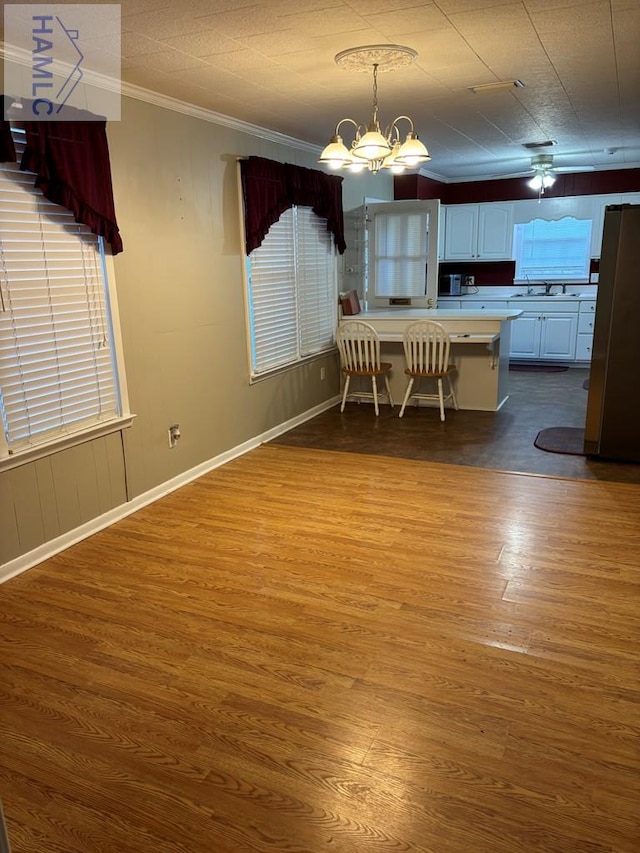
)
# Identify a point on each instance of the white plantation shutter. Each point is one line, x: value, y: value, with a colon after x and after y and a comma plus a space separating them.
x: 292, y: 291
x: 57, y: 366
x: 398, y: 254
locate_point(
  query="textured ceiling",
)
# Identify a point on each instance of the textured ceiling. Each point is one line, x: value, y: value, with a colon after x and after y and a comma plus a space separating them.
x: 272, y: 64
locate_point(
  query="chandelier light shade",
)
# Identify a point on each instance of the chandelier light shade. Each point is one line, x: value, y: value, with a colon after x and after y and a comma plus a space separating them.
x: 372, y: 148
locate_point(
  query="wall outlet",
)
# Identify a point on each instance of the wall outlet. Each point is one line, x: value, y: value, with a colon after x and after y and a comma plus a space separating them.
x: 174, y: 434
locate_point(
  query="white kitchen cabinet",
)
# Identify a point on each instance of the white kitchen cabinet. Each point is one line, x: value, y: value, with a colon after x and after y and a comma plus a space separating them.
x: 599, y: 203
x: 478, y: 232
x: 542, y: 332
x: 473, y: 303
x: 584, y: 347
x: 525, y: 336
x: 586, y: 321
x: 558, y: 338
x: 461, y: 231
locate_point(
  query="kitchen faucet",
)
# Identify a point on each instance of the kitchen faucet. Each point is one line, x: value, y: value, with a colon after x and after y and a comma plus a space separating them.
x: 547, y: 288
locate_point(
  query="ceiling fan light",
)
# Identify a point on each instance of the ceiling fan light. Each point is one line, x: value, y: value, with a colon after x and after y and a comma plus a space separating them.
x: 548, y: 180
x: 536, y: 182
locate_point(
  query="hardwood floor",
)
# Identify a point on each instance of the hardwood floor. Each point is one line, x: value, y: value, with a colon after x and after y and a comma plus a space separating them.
x: 309, y: 650
x: 501, y: 441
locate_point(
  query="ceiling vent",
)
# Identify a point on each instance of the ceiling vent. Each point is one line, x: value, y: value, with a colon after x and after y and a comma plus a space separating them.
x: 533, y: 145
x: 501, y: 86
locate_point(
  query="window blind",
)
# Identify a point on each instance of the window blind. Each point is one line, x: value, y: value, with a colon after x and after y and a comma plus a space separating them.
x: 292, y: 291
x: 398, y: 251
x: 553, y: 250
x: 57, y: 366
x: 317, y: 284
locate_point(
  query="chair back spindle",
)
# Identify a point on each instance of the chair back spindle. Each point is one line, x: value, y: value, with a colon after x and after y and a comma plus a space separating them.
x: 359, y: 348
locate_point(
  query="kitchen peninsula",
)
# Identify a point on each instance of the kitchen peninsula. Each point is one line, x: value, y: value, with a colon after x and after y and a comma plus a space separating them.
x: 479, y: 348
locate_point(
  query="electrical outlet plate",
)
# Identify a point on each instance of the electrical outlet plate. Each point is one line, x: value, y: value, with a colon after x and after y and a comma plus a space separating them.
x: 174, y: 434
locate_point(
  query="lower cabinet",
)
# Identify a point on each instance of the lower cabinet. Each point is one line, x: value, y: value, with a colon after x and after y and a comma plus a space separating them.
x: 584, y: 347
x: 548, y: 329
x: 545, y: 335
x: 586, y: 320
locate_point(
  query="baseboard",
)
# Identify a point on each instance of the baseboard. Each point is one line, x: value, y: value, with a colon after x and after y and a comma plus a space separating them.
x: 66, y: 540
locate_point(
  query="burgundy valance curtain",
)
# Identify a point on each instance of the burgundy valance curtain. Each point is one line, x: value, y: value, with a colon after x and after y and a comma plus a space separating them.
x: 269, y: 188
x: 71, y: 163
x: 7, y: 148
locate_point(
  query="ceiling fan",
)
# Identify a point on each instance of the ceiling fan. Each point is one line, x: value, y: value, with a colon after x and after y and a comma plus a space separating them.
x: 542, y: 172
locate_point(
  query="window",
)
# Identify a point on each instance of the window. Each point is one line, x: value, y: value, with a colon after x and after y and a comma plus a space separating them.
x: 58, y: 366
x: 292, y: 291
x: 401, y: 251
x: 554, y: 250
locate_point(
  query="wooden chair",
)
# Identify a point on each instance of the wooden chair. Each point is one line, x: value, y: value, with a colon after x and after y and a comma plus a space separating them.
x: 359, y: 348
x: 426, y: 350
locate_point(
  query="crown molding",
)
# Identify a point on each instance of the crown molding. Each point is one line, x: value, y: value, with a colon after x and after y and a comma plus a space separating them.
x: 22, y: 57
x: 130, y: 90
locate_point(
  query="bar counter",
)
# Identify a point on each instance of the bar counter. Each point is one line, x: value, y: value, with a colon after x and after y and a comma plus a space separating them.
x: 480, y: 343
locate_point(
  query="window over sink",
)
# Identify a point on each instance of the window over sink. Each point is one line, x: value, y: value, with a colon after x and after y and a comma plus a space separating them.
x: 557, y: 250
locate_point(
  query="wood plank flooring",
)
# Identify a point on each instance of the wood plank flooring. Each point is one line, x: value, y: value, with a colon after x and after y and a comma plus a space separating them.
x: 501, y: 441
x: 310, y: 651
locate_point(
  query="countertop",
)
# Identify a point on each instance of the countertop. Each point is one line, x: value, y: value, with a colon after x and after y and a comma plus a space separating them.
x: 497, y: 297
x: 435, y: 314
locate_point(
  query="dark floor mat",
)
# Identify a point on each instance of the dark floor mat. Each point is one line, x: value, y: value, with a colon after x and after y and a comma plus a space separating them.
x: 561, y: 440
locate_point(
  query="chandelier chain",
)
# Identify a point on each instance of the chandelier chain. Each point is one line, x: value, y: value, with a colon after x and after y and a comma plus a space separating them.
x: 375, y: 94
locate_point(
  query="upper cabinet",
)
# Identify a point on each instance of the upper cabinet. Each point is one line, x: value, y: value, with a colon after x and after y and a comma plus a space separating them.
x: 600, y: 202
x: 480, y: 232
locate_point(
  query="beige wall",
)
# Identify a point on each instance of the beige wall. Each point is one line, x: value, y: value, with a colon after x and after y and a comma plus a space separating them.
x: 180, y: 295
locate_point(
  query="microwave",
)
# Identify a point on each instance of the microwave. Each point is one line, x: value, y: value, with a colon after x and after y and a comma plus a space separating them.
x: 450, y: 285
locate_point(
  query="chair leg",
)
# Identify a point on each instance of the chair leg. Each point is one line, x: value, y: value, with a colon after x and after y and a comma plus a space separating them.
x: 388, y: 387
x: 406, y: 397
x: 441, y: 398
x: 347, y: 380
x: 453, y: 394
x: 375, y: 394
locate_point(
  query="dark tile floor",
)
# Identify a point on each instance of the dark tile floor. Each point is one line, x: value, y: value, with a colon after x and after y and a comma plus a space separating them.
x: 501, y: 440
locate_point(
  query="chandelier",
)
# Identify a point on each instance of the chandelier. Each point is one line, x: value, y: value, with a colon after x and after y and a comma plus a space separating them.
x: 371, y: 148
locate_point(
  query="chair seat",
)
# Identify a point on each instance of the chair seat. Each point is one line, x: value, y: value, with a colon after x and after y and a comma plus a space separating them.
x: 368, y: 371
x: 433, y: 374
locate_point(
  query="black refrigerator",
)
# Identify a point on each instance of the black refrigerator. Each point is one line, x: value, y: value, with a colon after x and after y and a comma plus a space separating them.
x: 612, y: 427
